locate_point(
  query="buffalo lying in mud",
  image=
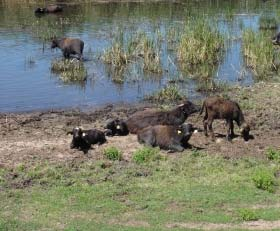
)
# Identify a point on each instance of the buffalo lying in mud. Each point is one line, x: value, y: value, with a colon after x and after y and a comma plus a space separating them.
x: 69, y: 46
x: 220, y: 108
x: 173, y: 138
x: 151, y: 117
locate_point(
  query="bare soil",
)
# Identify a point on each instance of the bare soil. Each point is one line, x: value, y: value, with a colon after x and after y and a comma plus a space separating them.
x: 42, y: 136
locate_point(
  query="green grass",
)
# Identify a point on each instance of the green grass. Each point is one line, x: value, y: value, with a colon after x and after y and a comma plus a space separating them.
x: 268, y: 22
x: 145, y: 154
x: 200, y: 48
x: 168, y: 94
x: 260, y: 56
x: 69, y: 70
x: 112, y: 153
x: 188, y: 188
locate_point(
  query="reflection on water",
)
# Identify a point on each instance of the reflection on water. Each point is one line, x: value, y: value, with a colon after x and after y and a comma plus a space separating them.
x: 26, y: 80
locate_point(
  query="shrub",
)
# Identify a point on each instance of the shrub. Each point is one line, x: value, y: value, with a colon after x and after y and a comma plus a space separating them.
x: 264, y: 179
x: 145, y: 154
x: 273, y: 154
x: 248, y: 215
x: 112, y: 153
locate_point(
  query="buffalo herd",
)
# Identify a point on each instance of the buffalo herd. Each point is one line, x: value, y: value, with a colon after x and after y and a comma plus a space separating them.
x: 165, y: 129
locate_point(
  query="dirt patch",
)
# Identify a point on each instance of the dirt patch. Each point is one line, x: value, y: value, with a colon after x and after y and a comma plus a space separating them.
x: 252, y: 225
x: 40, y: 136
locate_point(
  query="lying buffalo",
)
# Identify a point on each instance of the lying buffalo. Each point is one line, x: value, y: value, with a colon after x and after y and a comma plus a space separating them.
x: 49, y: 9
x: 173, y: 138
x: 83, y: 139
x: 69, y: 46
x: 150, y: 117
x: 116, y: 127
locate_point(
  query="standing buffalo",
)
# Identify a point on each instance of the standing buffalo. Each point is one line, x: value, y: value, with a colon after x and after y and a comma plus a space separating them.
x: 173, y: 138
x: 220, y: 108
x: 69, y: 46
x: 49, y: 9
x: 151, y: 117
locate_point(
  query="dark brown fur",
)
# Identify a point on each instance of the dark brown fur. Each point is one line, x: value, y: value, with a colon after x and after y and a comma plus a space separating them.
x: 174, y: 138
x: 151, y: 117
x: 69, y: 46
x: 49, y: 9
x: 219, y: 108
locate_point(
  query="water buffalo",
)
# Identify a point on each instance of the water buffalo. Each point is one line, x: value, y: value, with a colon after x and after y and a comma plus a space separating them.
x: 151, y: 117
x: 49, y: 9
x: 83, y: 139
x: 220, y: 108
x: 69, y: 46
x: 173, y: 138
x: 116, y: 127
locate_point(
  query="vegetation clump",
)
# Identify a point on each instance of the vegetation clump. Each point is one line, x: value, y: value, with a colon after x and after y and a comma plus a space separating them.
x: 69, y: 70
x: 200, y: 45
x: 264, y: 179
x: 169, y: 93
x: 112, y: 153
x: 268, y: 22
x: 273, y: 154
x: 248, y: 215
x: 259, y: 54
x: 145, y: 154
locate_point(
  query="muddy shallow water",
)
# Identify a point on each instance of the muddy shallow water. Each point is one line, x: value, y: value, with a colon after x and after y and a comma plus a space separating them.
x: 27, y: 83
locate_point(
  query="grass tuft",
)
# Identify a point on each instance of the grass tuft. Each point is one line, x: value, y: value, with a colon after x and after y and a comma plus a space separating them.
x: 112, y: 153
x: 264, y: 179
x: 200, y: 44
x: 145, y: 154
x: 248, y: 215
x: 69, y: 70
x: 259, y: 54
x: 273, y: 154
x: 168, y: 94
x: 268, y: 22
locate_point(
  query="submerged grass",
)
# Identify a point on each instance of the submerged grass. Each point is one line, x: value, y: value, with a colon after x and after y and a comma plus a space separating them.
x: 69, y: 70
x: 139, y: 48
x: 139, y: 195
x: 260, y: 54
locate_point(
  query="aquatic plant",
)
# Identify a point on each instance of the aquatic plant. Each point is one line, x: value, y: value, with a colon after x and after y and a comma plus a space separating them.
x: 200, y: 44
x: 69, y: 70
x: 169, y: 93
x: 260, y: 56
x: 268, y: 22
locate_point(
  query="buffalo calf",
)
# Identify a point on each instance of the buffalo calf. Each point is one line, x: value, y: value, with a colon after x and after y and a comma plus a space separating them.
x: 173, y: 138
x: 220, y: 108
x: 83, y: 139
x: 116, y: 127
x: 69, y: 46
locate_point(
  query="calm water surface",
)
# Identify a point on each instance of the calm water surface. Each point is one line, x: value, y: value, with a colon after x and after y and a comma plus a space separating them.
x: 27, y: 83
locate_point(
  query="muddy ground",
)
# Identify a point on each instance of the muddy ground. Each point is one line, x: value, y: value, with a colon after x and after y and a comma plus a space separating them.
x: 41, y: 136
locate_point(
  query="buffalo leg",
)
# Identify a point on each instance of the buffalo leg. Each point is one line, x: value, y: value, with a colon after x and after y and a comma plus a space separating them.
x: 205, y: 124
x: 210, y: 122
